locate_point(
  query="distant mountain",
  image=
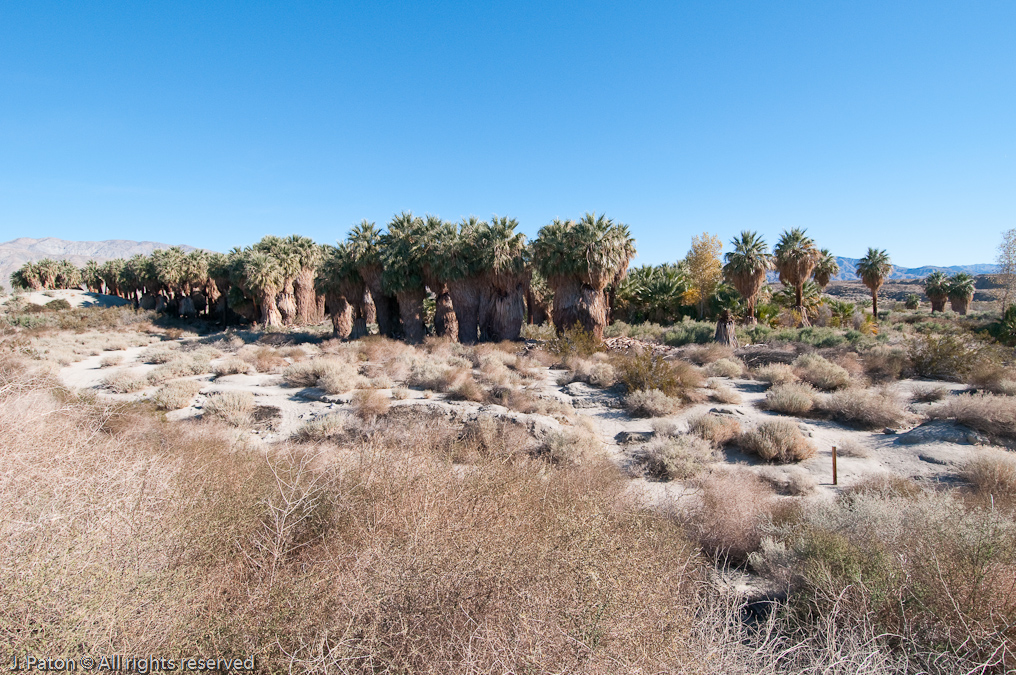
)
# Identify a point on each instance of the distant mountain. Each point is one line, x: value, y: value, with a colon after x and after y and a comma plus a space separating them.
x: 15, y: 253
x: 848, y: 267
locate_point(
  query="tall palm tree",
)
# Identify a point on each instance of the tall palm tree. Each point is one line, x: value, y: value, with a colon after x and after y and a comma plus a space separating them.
x: 936, y: 287
x: 365, y: 248
x: 505, y: 258
x: 288, y: 261
x: 264, y: 278
x: 459, y: 264
x: 873, y: 269
x: 27, y: 277
x: 309, y: 256
x: 110, y: 272
x: 439, y: 241
x: 343, y: 289
x: 90, y: 276
x: 826, y: 268
x: 746, y: 268
x: 795, y: 258
x: 403, y: 253
x: 578, y: 260
x: 961, y: 292
x: 652, y: 293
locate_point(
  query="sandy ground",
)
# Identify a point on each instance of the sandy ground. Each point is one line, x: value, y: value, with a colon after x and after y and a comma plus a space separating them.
x: 75, y: 297
x: 936, y: 457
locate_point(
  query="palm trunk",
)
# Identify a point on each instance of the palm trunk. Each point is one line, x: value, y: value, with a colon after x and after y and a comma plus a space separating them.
x: 445, y: 321
x: 411, y: 312
x: 937, y: 304
x: 725, y: 333
x: 874, y: 304
x: 799, y: 298
x: 342, y: 316
x: 306, y: 298
x: 271, y: 317
x: 286, y: 304
x: 502, y: 314
x: 579, y: 305
x: 465, y: 296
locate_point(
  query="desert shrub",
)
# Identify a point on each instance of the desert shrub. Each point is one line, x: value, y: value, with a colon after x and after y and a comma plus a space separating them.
x: 990, y: 375
x: 332, y: 375
x: 574, y: 341
x: 735, y: 505
x: 236, y: 408
x: 429, y: 374
x: 321, y: 429
x: 790, y: 399
x: 264, y: 359
x: 596, y: 372
x: 641, y: 372
x: 176, y: 395
x: 778, y: 441
x: 111, y: 360
x: 369, y: 403
x: 930, y: 393
x: 689, y: 332
x: 159, y: 354
x: 867, y: 408
x: 125, y: 381
x: 794, y: 481
x: 650, y: 403
x: 848, y: 447
x: 990, y: 414
x: 883, y: 363
x: 775, y: 373
x: 675, y: 457
x: 545, y: 331
x: 231, y: 366
x: 816, y: 336
x: 702, y: 355
x: 721, y: 393
x: 725, y: 368
x: 400, y: 393
x: 992, y: 475
x: 184, y: 365
x: 820, y: 372
x: 944, y: 356
x: 467, y: 389
x: 914, y: 561
x: 56, y: 305
x: 573, y: 447
x: 717, y: 429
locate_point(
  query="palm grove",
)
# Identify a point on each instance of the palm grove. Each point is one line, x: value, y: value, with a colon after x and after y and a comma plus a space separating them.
x: 479, y: 280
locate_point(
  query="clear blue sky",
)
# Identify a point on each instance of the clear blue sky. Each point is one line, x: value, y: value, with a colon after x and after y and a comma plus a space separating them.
x: 888, y: 124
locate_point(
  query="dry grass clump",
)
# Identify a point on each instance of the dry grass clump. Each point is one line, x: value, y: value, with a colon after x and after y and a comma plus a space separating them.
x: 645, y: 371
x: 778, y: 441
x: 848, y: 447
x: 332, y: 375
x: 908, y: 561
x: 678, y: 457
x: 321, y: 429
x: 176, y: 395
x: 595, y: 371
x: 264, y: 359
x: 711, y: 352
x: 465, y: 388
x: 735, y: 505
x: 650, y: 403
x: 930, y: 393
x: 125, y: 381
x: 884, y: 363
x: 775, y: 373
x: 111, y: 360
x: 868, y: 408
x: 431, y: 374
x: 793, y: 481
x: 992, y: 475
x: 790, y: 399
x: 235, y: 408
x: 989, y: 375
x: 721, y: 393
x: 576, y: 446
x: 725, y: 368
x: 184, y: 365
x: 161, y: 353
x: 368, y: 404
x: 990, y: 414
x: 820, y: 372
x: 719, y: 430
x: 231, y: 365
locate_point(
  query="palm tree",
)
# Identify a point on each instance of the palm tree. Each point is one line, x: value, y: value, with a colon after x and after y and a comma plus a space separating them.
x: 28, y: 277
x: 439, y: 241
x: 505, y: 258
x: 459, y: 264
x: 110, y: 273
x: 795, y: 258
x: 826, y: 268
x: 264, y: 278
x: 365, y: 248
x: 746, y: 268
x: 343, y: 289
x: 652, y: 293
x: 309, y: 256
x: 579, y: 260
x: 288, y: 261
x: 90, y: 277
x: 873, y: 269
x: 936, y: 287
x: 403, y: 254
x: 961, y: 292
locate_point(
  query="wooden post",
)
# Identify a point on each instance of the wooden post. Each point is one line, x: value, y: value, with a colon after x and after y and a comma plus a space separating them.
x: 834, y: 465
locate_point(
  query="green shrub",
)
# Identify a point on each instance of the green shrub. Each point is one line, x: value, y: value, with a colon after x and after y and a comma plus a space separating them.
x: 690, y: 332
x: 945, y: 356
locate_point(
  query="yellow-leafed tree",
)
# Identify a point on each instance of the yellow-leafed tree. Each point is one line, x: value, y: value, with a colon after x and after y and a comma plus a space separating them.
x: 704, y: 270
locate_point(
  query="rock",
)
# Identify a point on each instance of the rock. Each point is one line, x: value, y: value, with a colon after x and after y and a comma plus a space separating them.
x: 723, y: 411
x: 942, y: 431
x: 585, y: 396
x: 931, y: 459
x: 633, y: 436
